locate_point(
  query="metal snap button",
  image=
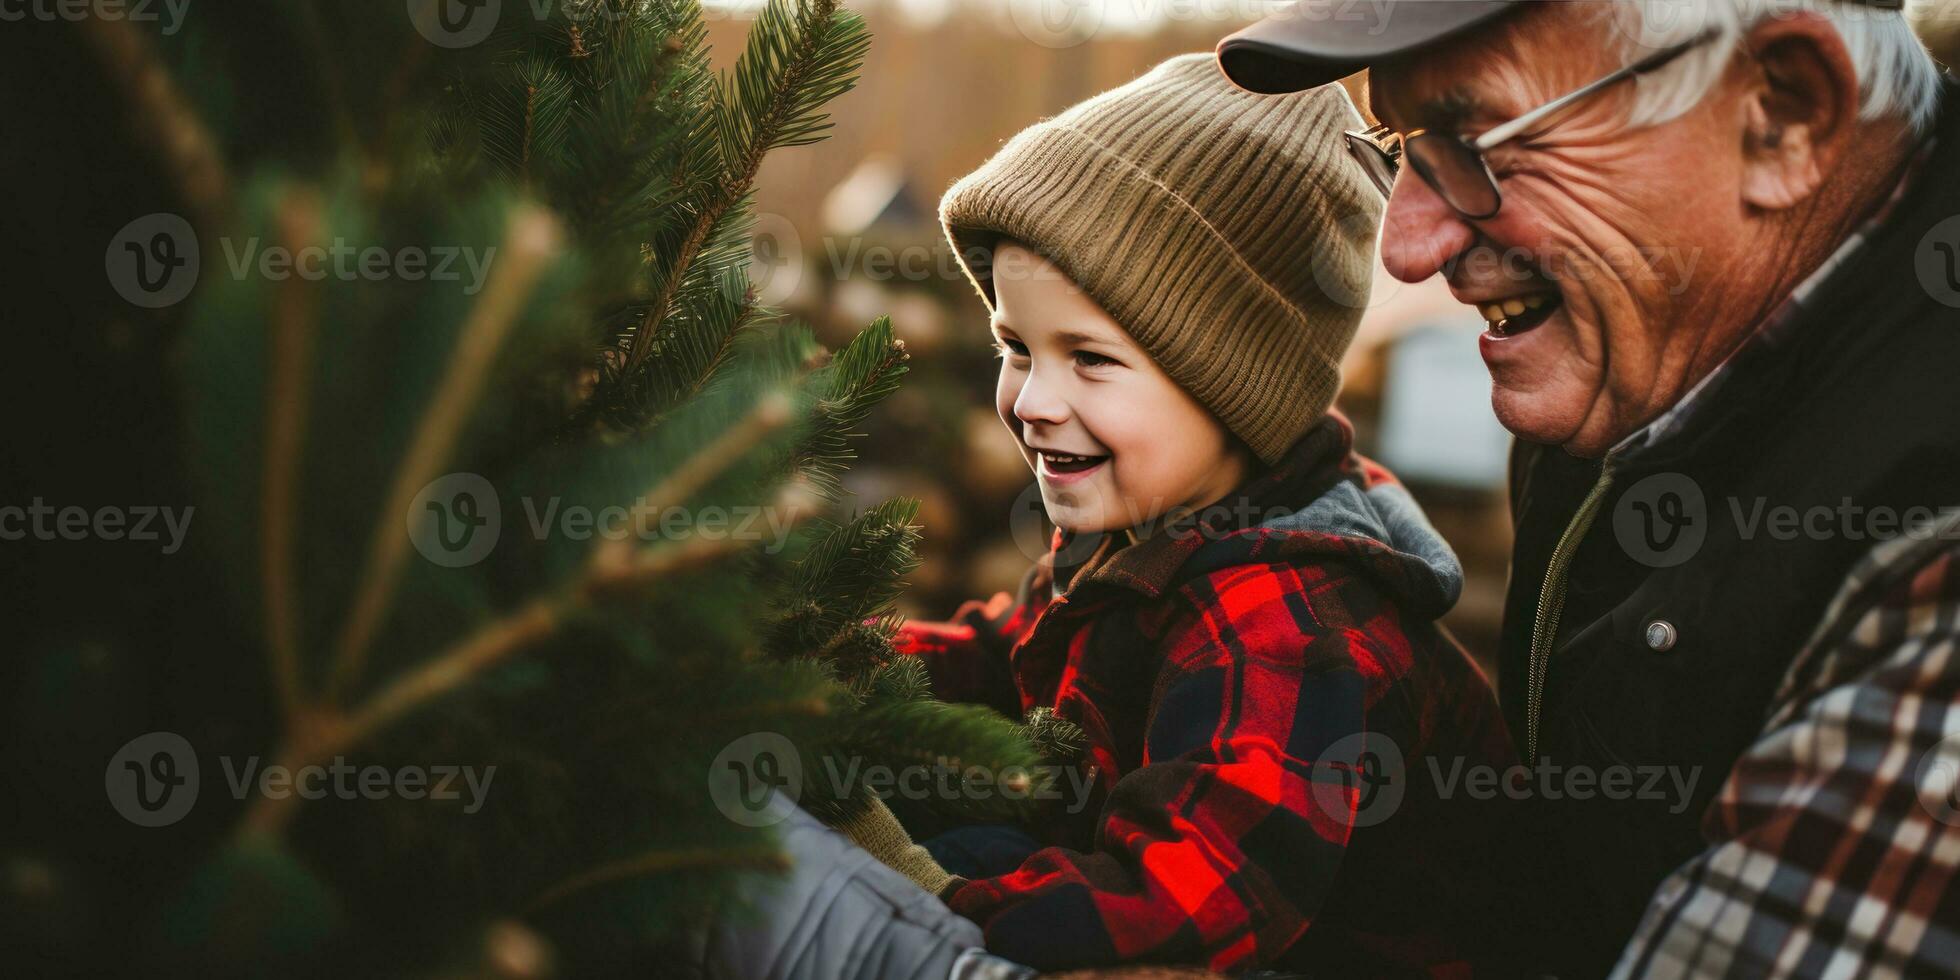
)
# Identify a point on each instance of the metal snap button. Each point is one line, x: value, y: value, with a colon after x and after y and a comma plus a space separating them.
x: 1661, y: 636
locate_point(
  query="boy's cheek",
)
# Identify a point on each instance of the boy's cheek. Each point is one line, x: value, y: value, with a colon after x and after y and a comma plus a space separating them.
x: 1007, y: 387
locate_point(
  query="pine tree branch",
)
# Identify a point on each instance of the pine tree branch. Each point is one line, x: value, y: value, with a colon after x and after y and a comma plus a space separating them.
x: 769, y: 414
x: 844, y: 589
x: 860, y: 376
x: 314, y: 736
x: 320, y: 736
x: 458, y: 665
x: 725, y: 341
x: 636, y: 353
x: 163, y: 119
x: 636, y: 570
x: 531, y: 243
x: 736, y: 181
x: 530, y: 125
x: 605, y: 573
x: 670, y: 50
x: 295, y: 316
x: 743, y: 313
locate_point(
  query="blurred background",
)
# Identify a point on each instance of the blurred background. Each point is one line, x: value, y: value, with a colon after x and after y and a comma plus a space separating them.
x: 848, y: 232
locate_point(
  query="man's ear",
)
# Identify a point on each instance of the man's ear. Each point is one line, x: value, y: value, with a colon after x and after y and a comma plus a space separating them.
x: 1800, y: 113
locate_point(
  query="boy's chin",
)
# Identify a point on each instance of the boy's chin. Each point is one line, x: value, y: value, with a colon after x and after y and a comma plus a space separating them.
x: 1076, y: 519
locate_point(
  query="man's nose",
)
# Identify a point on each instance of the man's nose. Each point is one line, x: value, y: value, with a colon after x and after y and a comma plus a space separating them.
x: 1420, y: 231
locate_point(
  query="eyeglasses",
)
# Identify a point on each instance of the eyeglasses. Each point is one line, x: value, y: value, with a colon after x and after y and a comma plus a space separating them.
x: 1455, y: 167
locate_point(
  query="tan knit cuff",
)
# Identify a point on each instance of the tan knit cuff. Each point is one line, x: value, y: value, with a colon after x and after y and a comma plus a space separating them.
x: 878, y: 831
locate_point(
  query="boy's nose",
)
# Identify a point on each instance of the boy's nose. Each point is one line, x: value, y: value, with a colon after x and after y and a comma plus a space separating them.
x: 1039, y: 404
x: 1420, y: 231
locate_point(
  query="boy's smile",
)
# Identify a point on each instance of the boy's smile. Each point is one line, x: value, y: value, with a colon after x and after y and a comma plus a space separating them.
x: 1112, y: 440
x: 1060, y: 468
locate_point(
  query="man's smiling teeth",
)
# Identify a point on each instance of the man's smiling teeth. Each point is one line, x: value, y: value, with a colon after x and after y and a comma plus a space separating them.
x: 1518, y: 314
x: 1515, y: 306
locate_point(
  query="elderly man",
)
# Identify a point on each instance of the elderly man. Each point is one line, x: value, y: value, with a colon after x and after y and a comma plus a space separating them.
x: 1716, y: 246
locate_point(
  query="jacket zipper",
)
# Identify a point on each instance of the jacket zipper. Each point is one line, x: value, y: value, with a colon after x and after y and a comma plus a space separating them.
x: 1551, y: 603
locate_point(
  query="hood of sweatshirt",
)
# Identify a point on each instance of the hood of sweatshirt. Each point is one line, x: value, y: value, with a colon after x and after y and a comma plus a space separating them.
x: 1321, y: 503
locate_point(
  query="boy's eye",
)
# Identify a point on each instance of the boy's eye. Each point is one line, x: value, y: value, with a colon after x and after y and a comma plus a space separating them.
x: 1004, y: 348
x: 1089, y: 358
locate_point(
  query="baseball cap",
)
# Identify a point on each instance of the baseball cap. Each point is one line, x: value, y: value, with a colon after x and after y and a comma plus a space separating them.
x: 1314, y: 42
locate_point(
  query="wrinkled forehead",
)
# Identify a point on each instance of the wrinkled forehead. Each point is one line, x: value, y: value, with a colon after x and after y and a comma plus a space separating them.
x: 1498, y: 71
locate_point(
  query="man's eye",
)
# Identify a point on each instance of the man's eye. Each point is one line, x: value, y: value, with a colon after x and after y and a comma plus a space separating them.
x: 1092, y: 359
x: 1004, y: 348
x: 1513, y: 157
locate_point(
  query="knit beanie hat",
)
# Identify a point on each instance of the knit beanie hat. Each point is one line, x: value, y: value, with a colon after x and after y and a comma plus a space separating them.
x: 1230, y: 233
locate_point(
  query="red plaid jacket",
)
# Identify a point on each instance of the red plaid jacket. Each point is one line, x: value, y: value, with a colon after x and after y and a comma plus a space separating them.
x: 1265, y: 695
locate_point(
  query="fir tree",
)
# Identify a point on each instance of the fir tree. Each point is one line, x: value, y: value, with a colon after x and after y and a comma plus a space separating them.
x: 349, y: 440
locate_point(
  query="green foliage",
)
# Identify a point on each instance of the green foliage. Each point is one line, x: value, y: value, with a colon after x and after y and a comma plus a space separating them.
x: 611, y: 356
x: 607, y: 111
x: 800, y: 57
x: 845, y: 587
x: 1058, y: 741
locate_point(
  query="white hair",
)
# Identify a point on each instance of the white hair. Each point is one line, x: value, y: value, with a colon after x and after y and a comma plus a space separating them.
x: 1897, y: 78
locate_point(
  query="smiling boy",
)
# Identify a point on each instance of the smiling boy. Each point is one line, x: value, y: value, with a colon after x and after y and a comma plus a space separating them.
x: 1237, y: 610
x: 1093, y: 424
